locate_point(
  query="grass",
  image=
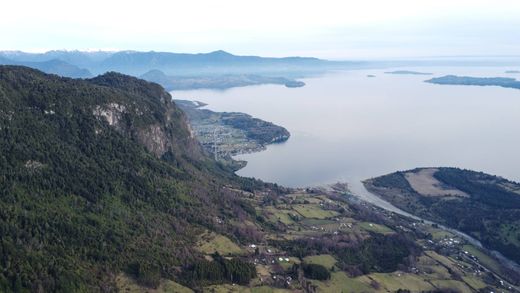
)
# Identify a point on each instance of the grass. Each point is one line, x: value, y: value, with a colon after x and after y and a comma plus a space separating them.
x: 395, y: 281
x: 212, y: 242
x: 286, y: 265
x: 433, y: 269
x: 438, y: 234
x: 473, y: 282
x: 442, y: 259
x: 128, y: 285
x: 376, y: 228
x: 313, y: 211
x: 325, y: 260
x: 452, y: 284
x: 341, y: 283
x: 266, y: 289
x: 281, y: 215
x: 301, y: 197
x: 318, y: 222
x: 486, y: 260
x: 433, y: 266
x: 227, y: 288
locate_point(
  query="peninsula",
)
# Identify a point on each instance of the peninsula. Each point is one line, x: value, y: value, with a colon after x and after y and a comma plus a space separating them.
x: 476, y: 81
x: 225, y: 134
x: 215, y: 81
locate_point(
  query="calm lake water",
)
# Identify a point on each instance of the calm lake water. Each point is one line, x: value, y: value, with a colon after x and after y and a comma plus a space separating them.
x: 348, y: 127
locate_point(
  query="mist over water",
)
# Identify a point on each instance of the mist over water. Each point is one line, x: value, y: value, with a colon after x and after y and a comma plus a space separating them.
x: 348, y: 127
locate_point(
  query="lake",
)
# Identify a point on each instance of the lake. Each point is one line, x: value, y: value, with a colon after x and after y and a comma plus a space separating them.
x: 348, y: 127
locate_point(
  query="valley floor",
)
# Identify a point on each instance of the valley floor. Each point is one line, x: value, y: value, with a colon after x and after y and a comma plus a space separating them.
x: 445, y: 260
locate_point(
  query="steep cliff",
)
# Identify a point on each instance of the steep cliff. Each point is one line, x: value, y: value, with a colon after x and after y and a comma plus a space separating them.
x: 99, y: 177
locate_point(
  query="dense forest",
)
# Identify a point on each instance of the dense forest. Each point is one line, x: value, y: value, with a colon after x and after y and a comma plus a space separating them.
x: 102, y: 179
x: 378, y: 253
x: 100, y: 176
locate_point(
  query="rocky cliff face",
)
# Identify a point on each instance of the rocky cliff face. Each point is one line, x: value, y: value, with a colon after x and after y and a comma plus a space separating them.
x: 157, y: 123
x: 99, y: 177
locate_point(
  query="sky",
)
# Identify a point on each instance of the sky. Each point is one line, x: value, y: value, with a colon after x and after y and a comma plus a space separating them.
x: 363, y: 29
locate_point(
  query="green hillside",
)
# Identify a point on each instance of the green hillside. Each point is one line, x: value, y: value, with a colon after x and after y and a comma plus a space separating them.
x: 100, y: 176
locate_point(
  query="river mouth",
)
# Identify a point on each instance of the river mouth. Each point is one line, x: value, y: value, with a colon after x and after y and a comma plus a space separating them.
x: 362, y: 192
x: 346, y: 127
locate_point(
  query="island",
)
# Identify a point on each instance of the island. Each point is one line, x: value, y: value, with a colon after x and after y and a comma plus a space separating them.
x: 408, y: 72
x: 513, y: 71
x: 483, y: 206
x: 226, y: 134
x: 370, y: 75
x: 476, y: 81
x: 216, y: 81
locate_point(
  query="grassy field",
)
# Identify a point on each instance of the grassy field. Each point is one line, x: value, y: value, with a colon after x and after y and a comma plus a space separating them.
x: 325, y: 260
x: 438, y: 234
x: 313, y: 211
x: 486, y: 260
x: 442, y: 259
x: 473, y: 282
x: 128, y: 285
x: 341, y: 283
x: 435, y: 270
x: 281, y: 215
x: 432, y: 267
x: 212, y: 242
x: 376, y: 228
x: 227, y: 288
x: 452, y: 284
x: 265, y: 289
x: 398, y: 280
x: 300, y: 198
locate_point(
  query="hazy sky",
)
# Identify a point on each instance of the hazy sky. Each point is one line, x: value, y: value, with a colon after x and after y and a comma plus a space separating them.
x: 323, y: 28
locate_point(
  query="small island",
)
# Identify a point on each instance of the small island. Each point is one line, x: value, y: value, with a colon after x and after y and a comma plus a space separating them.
x: 226, y: 134
x: 476, y: 81
x: 371, y: 75
x: 483, y: 206
x: 408, y: 72
x: 171, y: 83
x: 294, y: 83
x: 513, y: 71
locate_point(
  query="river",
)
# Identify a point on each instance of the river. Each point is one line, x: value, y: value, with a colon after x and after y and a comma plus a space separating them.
x: 347, y: 127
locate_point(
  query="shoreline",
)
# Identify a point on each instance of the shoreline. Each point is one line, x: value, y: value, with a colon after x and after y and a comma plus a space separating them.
x: 503, y: 260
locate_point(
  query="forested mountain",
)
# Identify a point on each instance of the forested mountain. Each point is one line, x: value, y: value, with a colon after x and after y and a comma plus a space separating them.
x: 103, y: 188
x: 54, y: 66
x: 205, y: 63
x: 100, y: 176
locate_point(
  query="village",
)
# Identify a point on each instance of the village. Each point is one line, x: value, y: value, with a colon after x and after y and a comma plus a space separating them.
x: 446, y: 261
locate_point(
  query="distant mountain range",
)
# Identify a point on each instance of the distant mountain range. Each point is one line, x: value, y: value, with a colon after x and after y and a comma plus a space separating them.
x: 218, y: 69
x: 138, y: 63
x: 54, y: 66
